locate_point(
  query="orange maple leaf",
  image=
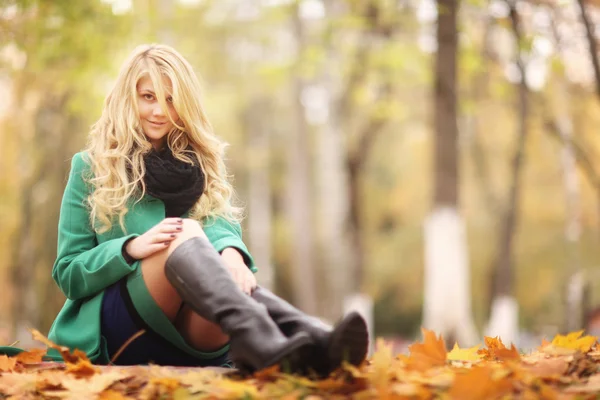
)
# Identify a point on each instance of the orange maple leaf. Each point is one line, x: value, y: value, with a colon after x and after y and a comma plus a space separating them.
x: 431, y: 353
x: 33, y: 356
x: 82, y: 368
x: 112, y: 395
x: 544, y: 344
x: 496, y: 350
x: 64, y: 351
x: 7, y: 363
x: 478, y: 383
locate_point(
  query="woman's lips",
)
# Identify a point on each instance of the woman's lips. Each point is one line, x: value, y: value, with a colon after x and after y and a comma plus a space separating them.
x: 157, y: 123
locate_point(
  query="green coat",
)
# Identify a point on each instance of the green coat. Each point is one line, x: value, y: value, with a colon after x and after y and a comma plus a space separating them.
x: 88, y: 262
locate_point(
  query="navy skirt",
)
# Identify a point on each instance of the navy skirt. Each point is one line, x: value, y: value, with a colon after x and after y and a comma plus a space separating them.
x: 120, y: 321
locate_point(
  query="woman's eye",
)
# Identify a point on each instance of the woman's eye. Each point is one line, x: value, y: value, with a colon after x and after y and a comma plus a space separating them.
x: 148, y: 96
x: 170, y: 99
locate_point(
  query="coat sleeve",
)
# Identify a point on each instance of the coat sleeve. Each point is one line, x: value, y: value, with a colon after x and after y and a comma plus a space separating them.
x: 223, y: 233
x: 83, y: 267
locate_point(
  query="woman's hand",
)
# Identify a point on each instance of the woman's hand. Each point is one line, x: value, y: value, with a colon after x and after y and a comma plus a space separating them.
x: 155, y: 239
x: 240, y: 272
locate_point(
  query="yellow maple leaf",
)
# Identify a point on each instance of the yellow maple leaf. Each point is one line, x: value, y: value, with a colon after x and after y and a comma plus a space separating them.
x: 458, y: 354
x: 430, y: 353
x: 381, y: 363
x: 574, y: 341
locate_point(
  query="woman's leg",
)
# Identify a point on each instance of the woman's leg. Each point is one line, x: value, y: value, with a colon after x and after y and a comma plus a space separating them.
x: 200, y: 333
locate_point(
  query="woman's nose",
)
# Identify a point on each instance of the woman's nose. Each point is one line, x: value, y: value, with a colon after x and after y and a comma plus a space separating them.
x: 158, y: 111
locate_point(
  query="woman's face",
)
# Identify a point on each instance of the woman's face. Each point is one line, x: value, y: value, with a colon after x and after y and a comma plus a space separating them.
x: 154, y: 120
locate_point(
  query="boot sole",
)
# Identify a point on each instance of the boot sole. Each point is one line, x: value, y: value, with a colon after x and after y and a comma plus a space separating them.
x: 291, y: 359
x: 349, y: 341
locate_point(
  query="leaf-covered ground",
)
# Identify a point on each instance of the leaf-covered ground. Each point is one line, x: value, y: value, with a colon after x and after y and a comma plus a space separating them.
x: 566, y: 368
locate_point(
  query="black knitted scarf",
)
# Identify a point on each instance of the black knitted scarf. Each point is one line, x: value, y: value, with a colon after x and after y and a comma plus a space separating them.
x: 178, y: 184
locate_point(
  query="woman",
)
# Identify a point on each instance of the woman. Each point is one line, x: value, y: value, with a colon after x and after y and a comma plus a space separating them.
x: 149, y: 239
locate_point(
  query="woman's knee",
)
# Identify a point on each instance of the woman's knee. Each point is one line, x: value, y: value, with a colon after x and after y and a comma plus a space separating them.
x: 191, y: 228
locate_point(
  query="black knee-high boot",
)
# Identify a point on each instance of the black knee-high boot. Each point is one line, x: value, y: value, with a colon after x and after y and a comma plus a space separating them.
x: 197, y: 273
x: 347, y: 341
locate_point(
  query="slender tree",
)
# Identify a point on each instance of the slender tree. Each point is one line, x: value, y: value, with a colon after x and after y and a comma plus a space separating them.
x: 447, y: 304
x: 504, y: 316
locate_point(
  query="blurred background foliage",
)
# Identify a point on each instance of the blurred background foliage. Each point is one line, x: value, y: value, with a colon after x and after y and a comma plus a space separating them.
x: 269, y: 69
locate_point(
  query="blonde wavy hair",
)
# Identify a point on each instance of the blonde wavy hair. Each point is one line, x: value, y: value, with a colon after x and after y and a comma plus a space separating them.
x: 117, y: 144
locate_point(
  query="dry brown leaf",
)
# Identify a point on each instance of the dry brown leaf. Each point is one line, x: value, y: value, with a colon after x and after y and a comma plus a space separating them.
x: 591, y: 386
x: 551, y: 367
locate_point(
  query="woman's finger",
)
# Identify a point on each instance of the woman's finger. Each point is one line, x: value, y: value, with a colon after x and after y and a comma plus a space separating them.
x: 159, y: 246
x: 172, y: 221
x: 239, y: 278
x: 163, y: 237
x: 170, y: 228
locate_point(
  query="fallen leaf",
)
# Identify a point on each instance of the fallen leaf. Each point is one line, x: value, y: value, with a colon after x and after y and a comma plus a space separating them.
x: 591, y: 386
x: 477, y: 384
x: 112, y: 395
x: 33, y: 356
x: 551, y: 367
x: 574, y: 341
x: 544, y: 343
x: 496, y: 350
x: 64, y: 351
x: 82, y: 369
x: 508, y: 354
x: 458, y: 354
x: 18, y: 385
x: 430, y: 353
x: 7, y: 363
x: 552, y: 350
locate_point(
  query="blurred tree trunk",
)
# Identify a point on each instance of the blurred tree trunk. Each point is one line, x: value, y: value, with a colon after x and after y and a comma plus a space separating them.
x: 480, y: 95
x: 593, y: 51
x: 47, y: 127
x: 574, y: 279
x: 333, y: 189
x: 592, y: 43
x: 298, y: 190
x: 574, y: 274
x: 447, y: 301
x: 259, y: 189
x: 24, y: 313
x: 504, y: 316
x: 40, y: 200
x: 378, y: 28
